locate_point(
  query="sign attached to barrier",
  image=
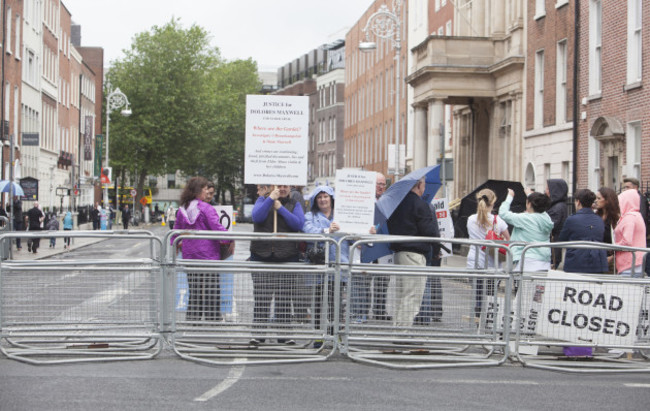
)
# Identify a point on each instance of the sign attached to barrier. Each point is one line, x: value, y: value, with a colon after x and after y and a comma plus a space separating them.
x: 354, y: 207
x: 643, y: 331
x: 580, y: 311
x: 445, y: 224
x: 225, y: 214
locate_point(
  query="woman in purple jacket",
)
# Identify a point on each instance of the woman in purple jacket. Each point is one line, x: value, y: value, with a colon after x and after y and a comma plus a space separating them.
x: 195, y: 214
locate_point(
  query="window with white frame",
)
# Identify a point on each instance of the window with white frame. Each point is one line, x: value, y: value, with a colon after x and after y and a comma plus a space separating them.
x: 540, y: 8
x: 437, y: 5
x: 539, y: 90
x: 595, y: 46
x: 634, y: 41
x: 634, y: 149
x: 561, y: 83
x: 8, y: 32
x: 448, y: 28
x: 594, y: 163
x: 506, y: 118
x: 17, y: 48
x: 441, y: 31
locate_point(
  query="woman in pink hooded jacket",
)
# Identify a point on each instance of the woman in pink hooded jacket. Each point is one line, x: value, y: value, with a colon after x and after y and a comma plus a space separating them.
x: 195, y: 214
x: 630, y: 232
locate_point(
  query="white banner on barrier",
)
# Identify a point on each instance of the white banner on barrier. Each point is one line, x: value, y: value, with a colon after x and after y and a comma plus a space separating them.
x: 600, y: 313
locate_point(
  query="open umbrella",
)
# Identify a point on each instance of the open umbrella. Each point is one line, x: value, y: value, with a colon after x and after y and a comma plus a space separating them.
x: 388, y: 202
x: 500, y: 187
x: 5, y: 187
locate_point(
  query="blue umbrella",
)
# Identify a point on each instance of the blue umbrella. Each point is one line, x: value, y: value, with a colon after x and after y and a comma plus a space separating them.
x: 388, y: 202
x: 5, y: 187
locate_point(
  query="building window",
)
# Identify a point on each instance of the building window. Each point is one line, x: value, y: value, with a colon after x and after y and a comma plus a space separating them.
x: 634, y: 52
x: 437, y: 5
x: 595, y: 46
x: 448, y: 28
x: 8, y: 33
x: 566, y: 171
x: 594, y: 164
x: 506, y: 118
x: 561, y: 86
x: 441, y: 31
x: 540, y: 8
x: 17, y: 37
x: 634, y: 149
x: 539, y: 90
x: 547, y: 172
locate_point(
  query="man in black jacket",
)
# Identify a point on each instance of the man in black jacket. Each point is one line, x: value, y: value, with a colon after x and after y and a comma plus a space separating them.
x: 412, y: 217
x: 35, y: 217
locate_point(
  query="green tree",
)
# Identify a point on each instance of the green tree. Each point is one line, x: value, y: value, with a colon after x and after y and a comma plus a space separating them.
x: 186, y: 102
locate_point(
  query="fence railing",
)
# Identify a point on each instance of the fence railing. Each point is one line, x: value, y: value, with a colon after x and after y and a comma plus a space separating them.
x: 399, y: 314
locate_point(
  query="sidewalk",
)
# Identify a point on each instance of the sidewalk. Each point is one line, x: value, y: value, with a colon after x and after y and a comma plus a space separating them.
x: 44, y: 250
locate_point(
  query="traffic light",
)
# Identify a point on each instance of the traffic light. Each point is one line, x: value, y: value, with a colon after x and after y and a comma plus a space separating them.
x: 107, y: 175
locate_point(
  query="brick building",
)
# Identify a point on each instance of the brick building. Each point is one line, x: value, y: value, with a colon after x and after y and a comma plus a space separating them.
x: 10, y: 124
x: 548, y: 136
x: 614, y: 126
x: 319, y: 75
x: 370, y: 86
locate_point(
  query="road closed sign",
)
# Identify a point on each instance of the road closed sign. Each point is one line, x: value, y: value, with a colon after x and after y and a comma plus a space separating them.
x: 582, y: 311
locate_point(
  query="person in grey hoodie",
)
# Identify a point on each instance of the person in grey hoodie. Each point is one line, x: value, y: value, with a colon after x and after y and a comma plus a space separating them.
x: 533, y: 225
x: 557, y: 189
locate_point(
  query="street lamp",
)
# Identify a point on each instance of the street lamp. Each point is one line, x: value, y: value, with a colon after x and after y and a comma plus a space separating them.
x: 387, y: 25
x: 114, y: 100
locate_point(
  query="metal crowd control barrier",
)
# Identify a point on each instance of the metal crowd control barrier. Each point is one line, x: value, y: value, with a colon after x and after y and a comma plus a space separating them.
x: 230, y: 312
x: 453, y: 331
x: 581, y: 323
x: 70, y: 310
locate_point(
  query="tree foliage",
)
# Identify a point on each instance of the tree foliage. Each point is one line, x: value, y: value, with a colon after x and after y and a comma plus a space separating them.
x: 188, y: 107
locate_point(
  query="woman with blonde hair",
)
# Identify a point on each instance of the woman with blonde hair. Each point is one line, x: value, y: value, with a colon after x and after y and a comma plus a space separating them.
x: 478, y: 226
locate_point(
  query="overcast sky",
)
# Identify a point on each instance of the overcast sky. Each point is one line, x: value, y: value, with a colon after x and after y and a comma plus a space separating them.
x: 272, y: 32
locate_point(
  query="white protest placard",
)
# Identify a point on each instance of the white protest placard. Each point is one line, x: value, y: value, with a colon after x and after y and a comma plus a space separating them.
x: 580, y: 311
x: 445, y: 223
x: 277, y: 140
x: 354, y: 207
x: 226, y: 217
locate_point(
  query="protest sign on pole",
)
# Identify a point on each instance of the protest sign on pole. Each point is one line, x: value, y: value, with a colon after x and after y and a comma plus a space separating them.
x: 277, y: 140
x: 354, y: 207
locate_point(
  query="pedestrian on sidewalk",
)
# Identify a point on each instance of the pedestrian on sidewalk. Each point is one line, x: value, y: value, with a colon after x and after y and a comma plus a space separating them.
x: 96, y: 216
x: 126, y: 216
x: 53, y: 225
x: 35, y: 217
x: 67, y: 226
x: 171, y: 216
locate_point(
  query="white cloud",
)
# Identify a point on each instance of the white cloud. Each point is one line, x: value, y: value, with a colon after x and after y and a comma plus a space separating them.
x: 271, y: 32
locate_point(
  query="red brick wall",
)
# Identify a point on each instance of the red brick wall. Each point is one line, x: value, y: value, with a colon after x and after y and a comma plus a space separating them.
x: 544, y: 34
x: 626, y: 106
x: 360, y: 76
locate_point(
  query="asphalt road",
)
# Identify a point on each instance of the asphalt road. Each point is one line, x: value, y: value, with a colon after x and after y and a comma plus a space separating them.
x: 171, y: 383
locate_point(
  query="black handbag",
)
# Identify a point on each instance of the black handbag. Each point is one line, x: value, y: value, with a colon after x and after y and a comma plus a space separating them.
x: 316, y: 254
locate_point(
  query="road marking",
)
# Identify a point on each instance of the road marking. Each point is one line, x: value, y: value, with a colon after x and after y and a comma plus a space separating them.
x: 234, y: 375
x: 504, y: 382
x: 637, y: 385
